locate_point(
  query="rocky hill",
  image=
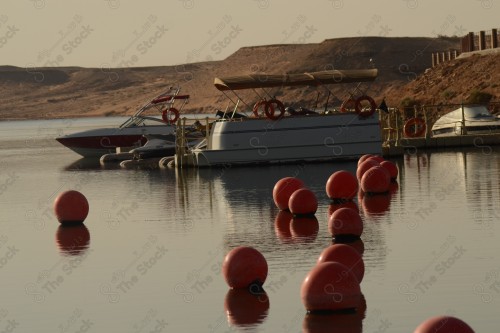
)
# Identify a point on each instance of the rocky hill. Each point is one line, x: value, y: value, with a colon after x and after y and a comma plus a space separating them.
x: 403, y: 63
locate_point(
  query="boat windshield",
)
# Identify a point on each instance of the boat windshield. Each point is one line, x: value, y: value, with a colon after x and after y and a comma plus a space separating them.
x: 477, y: 112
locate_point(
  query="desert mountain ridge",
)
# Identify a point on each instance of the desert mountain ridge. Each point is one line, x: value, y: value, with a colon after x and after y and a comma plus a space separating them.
x: 404, y: 65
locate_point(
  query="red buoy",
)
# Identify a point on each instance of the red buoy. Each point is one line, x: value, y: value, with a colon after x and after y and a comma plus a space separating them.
x: 391, y: 168
x: 244, y: 267
x: 365, y: 166
x: 303, y: 202
x: 71, y: 207
x: 341, y: 185
x: 378, y: 159
x: 345, y: 222
x: 375, y: 180
x: 330, y: 286
x: 283, y: 189
x: 443, y: 324
x: 346, y: 255
x: 364, y: 157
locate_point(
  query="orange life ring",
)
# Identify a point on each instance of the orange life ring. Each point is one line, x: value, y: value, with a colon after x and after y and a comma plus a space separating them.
x: 257, y: 106
x: 348, y: 103
x: 166, y: 115
x: 414, y: 127
x: 368, y: 113
x: 271, y: 111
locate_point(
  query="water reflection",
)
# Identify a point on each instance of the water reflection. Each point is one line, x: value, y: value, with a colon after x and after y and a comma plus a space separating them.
x: 304, y: 229
x: 73, y: 240
x: 282, y: 226
x: 341, y: 322
x: 245, y: 308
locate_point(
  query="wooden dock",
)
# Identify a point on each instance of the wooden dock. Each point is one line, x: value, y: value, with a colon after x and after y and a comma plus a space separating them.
x: 403, y: 145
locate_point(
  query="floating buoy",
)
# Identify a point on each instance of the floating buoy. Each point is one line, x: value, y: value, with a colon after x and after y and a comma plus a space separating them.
x: 343, y: 204
x: 283, y: 189
x: 443, y: 324
x: 245, y: 307
x: 364, y: 157
x: 391, y: 168
x: 303, y: 202
x: 365, y: 166
x: 376, y: 180
x: 346, y: 255
x: 244, y: 267
x: 71, y: 207
x: 341, y: 185
x: 330, y: 286
x: 282, y: 225
x: 304, y: 229
x: 376, y: 158
x: 345, y: 222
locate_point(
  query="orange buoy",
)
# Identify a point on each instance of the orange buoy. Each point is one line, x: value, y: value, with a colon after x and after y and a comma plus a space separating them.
x: 346, y: 255
x: 363, y: 158
x: 244, y: 267
x: 303, y: 202
x: 364, y: 166
x: 330, y: 286
x: 345, y: 222
x: 304, y: 229
x: 337, y: 205
x: 73, y: 239
x: 341, y: 185
x: 71, y: 207
x: 282, y: 226
x: 391, y: 168
x: 377, y: 158
x: 377, y: 204
x: 283, y: 189
x: 245, y: 307
x: 443, y: 324
x: 375, y: 180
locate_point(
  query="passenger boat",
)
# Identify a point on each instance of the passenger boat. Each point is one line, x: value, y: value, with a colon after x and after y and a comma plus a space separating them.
x: 466, y: 120
x: 275, y: 134
x: 131, y: 133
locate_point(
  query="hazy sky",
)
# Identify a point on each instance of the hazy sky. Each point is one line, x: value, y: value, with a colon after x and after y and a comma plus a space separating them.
x: 119, y: 33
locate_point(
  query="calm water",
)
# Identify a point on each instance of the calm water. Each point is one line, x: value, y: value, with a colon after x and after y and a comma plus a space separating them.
x: 149, y: 256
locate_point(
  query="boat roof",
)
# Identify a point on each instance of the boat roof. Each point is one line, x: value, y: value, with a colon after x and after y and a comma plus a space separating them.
x: 262, y: 80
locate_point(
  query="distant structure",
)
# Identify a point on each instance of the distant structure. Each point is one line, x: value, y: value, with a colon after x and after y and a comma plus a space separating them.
x: 472, y: 42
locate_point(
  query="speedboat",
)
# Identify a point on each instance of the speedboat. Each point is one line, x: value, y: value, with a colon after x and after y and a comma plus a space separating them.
x: 131, y: 133
x: 466, y: 120
x: 275, y: 134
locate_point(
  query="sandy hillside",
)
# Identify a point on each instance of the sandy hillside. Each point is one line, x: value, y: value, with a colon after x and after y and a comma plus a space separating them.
x: 29, y: 93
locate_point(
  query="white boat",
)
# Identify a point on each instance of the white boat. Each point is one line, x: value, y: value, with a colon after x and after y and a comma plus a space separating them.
x: 278, y: 138
x: 466, y: 120
x: 132, y: 133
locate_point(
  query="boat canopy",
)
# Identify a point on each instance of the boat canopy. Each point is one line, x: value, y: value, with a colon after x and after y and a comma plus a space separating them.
x: 262, y: 80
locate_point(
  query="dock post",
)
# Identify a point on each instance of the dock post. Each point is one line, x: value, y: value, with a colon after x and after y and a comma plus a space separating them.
x: 494, y: 40
x: 482, y: 40
x: 463, y: 130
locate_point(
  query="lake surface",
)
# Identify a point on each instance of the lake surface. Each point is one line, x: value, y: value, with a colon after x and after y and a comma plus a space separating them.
x: 148, y: 258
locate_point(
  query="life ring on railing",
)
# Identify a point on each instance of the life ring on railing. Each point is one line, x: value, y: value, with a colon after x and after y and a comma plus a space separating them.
x: 348, y: 104
x: 166, y: 115
x: 414, y: 127
x: 257, y: 106
x: 270, y: 110
x: 358, y: 107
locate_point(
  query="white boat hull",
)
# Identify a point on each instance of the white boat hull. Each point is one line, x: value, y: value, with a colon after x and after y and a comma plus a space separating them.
x: 290, y: 139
